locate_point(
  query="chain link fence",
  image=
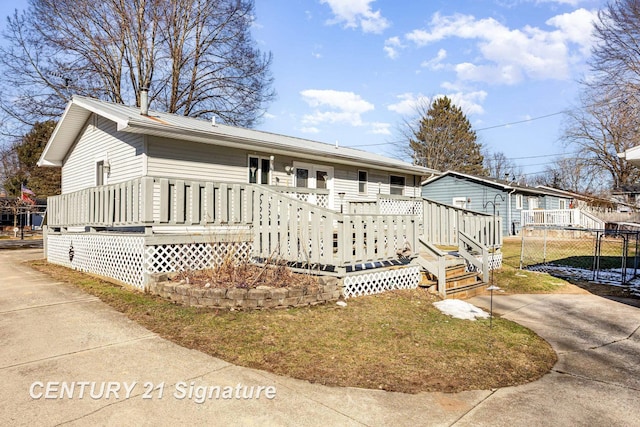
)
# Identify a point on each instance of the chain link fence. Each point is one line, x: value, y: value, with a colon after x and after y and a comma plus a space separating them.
x: 602, y: 256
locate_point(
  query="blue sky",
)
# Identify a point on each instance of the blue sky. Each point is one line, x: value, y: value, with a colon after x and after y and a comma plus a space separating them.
x: 352, y: 70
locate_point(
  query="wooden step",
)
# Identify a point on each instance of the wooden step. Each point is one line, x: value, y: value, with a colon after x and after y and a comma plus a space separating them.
x: 467, y: 291
x: 455, y: 270
x: 462, y: 280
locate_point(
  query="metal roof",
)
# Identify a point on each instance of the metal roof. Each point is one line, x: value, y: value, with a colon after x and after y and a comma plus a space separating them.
x: 496, y: 183
x: 129, y: 119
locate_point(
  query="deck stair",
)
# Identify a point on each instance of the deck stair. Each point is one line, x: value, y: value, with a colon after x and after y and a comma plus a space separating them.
x: 457, y: 282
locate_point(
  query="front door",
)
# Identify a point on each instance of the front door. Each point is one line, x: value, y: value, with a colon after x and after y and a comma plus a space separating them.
x: 312, y: 176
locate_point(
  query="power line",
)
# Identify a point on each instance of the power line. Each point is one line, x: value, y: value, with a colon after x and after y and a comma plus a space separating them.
x: 523, y: 121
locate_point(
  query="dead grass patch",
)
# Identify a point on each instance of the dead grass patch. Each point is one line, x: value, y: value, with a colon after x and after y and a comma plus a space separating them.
x: 395, y: 341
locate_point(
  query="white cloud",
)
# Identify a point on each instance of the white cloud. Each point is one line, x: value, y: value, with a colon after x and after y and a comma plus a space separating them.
x: 357, y: 13
x: 334, y: 106
x: 507, y: 55
x: 408, y: 103
x: 569, y: 2
x: 436, y: 63
x: 391, y: 46
x: 379, y: 128
x: 309, y: 129
x: 469, y: 102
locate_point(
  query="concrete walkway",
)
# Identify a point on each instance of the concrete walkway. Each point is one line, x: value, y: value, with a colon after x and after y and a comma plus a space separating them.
x: 51, y: 334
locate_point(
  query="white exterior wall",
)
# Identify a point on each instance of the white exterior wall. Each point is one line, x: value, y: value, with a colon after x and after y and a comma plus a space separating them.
x: 124, y: 152
x: 190, y: 160
x: 134, y: 155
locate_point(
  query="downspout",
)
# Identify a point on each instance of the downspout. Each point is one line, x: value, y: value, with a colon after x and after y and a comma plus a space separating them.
x: 509, y: 212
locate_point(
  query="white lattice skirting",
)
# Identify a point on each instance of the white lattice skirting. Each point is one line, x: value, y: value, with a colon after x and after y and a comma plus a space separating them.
x: 128, y: 259
x: 495, y: 262
x: 376, y: 282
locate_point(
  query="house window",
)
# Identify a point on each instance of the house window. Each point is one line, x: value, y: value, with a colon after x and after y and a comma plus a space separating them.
x: 302, y: 177
x: 533, y: 202
x: 362, y: 182
x: 562, y: 204
x: 459, y: 202
x: 259, y: 169
x: 321, y: 179
x: 518, y: 201
x: 100, y: 172
x: 397, y: 184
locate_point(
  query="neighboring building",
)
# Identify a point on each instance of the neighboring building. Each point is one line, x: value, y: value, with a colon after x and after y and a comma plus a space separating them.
x: 480, y: 193
x: 626, y: 197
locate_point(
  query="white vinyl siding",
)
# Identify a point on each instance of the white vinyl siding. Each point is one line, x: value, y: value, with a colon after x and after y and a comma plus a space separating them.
x: 124, y: 152
x: 191, y: 160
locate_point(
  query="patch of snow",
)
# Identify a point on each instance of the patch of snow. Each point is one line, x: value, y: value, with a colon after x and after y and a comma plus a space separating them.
x: 460, y: 309
x: 611, y: 277
x: 341, y: 304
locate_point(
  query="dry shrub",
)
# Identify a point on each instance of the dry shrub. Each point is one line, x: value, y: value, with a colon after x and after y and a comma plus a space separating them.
x: 233, y: 274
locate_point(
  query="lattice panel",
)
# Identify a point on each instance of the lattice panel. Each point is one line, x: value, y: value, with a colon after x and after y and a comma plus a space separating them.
x: 321, y: 200
x: 380, y: 281
x: 494, y: 260
x: 118, y: 257
x: 193, y: 256
x: 400, y: 207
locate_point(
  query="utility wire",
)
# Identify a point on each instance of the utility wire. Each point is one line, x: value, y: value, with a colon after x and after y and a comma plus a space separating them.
x: 522, y: 121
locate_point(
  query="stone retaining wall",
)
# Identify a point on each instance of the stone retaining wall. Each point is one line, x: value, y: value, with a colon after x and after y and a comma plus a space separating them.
x: 328, y: 289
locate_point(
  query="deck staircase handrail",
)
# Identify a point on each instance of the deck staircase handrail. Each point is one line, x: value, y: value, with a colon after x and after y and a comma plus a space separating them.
x: 468, y: 248
x: 435, y: 263
x: 442, y: 222
x: 590, y: 221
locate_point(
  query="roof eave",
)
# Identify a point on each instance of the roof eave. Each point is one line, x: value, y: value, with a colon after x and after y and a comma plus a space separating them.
x: 242, y: 142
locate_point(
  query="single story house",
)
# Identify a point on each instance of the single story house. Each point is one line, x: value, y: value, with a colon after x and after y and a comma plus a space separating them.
x: 147, y: 192
x: 483, y: 194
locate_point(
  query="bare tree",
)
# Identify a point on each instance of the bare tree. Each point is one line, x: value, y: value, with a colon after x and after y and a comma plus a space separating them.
x: 615, y: 59
x: 196, y: 56
x: 571, y: 174
x: 604, y: 126
x: 499, y: 166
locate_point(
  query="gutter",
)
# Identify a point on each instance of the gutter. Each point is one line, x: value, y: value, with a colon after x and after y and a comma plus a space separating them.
x: 282, y: 149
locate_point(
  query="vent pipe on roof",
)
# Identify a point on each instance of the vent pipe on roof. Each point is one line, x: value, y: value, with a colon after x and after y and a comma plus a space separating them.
x: 213, y: 120
x: 144, y: 101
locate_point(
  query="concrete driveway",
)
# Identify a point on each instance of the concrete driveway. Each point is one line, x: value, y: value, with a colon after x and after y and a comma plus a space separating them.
x: 54, y: 338
x: 596, y: 380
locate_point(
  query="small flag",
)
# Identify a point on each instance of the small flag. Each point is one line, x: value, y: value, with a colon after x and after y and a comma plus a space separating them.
x: 26, y: 190
x: 26, y: 198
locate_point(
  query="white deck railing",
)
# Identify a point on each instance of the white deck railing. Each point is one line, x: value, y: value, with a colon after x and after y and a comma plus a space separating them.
x: 442, y: 223
x: 283, y: 227
x: 561, y: 218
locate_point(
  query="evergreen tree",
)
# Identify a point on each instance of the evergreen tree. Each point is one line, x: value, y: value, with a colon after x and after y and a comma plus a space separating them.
x: 444, y: 140
x: 19, y: 164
